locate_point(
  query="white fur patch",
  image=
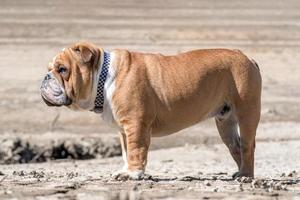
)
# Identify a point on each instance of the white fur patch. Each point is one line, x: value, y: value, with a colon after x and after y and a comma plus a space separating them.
x: 109, y: 89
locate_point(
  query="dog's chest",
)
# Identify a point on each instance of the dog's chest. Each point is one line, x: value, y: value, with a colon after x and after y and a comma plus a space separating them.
x: 109, y: 89
x: 107, y: 114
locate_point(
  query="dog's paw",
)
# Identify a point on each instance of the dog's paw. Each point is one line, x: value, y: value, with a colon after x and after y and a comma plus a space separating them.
x: 242, y: 177
x: 128, y: 175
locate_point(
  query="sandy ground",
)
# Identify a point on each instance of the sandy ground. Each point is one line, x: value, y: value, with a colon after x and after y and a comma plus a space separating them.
x: 190, y: 172
x: 193, y: 164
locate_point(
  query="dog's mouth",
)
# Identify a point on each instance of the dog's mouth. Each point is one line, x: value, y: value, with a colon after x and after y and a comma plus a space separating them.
x: 53, y: 93
x: 49, y: 103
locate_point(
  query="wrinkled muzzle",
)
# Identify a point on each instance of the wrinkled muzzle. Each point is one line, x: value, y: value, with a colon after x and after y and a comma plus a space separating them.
x: 53, y: 92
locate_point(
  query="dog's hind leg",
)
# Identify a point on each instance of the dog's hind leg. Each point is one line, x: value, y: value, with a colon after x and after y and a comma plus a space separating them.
x: 228, y: 131
x: 247, y: 109
x: 248, y: 119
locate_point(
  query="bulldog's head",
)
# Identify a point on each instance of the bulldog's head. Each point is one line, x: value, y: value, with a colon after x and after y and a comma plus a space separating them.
x: 70, y: 75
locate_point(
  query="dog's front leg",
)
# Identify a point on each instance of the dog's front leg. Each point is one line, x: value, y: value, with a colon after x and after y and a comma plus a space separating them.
x: 124, y: 150
x: 135, y: 144
x: 124, y: 155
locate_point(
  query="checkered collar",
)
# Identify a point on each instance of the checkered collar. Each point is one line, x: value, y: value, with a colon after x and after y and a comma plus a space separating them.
x: 99, y: 101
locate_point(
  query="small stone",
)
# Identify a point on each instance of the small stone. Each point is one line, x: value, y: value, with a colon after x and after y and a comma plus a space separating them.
x: 135, y: 187
x: 216, y: 189
x: 292, y: 173
x: 207, y: 183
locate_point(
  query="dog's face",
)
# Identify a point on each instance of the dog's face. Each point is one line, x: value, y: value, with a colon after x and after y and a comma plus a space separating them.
x: 70, y: 75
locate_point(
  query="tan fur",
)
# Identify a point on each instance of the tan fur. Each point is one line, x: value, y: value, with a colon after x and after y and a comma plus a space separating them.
x: 157, y: 95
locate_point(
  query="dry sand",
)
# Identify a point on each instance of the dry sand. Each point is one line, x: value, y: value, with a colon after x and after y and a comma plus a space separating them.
x: 193, y: 164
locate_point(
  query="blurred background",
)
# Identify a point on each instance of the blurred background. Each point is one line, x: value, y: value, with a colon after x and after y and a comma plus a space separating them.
x: 32, y: 32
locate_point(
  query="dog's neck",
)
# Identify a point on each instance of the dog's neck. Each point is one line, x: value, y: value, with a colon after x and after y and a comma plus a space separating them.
x: 95, y: 101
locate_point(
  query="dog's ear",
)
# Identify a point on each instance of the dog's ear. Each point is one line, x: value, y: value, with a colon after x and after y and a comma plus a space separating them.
x: 85, y: 51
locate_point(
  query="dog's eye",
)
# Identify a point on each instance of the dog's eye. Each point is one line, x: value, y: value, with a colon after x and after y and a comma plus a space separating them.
x: 77, y: 50
x: 62, y: 69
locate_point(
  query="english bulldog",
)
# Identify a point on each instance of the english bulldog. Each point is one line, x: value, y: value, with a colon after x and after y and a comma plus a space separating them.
x: 147, y: 95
